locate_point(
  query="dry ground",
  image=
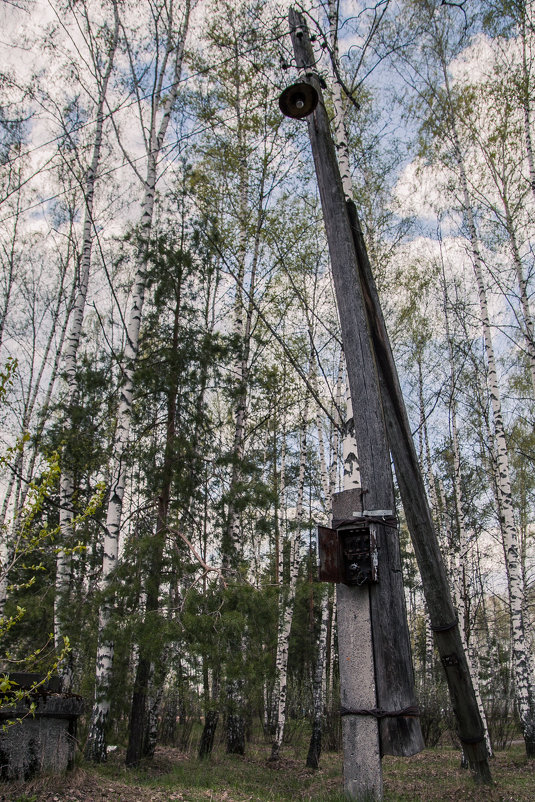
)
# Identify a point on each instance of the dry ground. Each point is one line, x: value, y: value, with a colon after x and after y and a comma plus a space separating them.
x: 432, y: 776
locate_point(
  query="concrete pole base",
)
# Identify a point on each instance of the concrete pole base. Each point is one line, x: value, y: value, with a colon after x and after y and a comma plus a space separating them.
x: 363, y: 776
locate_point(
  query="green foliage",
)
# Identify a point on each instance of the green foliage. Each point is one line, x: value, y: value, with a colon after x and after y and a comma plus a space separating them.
x: 80, y: 434
x: 233, y: 628
x: 31, y: 542
x: 26, y: 547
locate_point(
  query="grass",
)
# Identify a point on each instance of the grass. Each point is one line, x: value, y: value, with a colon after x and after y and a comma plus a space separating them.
x: 432, y: 776
x: 251, y: 777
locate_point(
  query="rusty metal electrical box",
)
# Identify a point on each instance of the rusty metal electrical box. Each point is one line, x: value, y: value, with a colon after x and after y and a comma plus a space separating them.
x: 348, y: 553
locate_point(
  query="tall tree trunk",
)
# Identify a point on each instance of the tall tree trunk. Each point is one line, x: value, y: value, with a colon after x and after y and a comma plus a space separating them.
x: 320, y: 690
x: 143, y: 713
x: 96, y: 743
x: 527, y: 319
x: 67, y: 488
x: 211, y: 719
x: 425, y: 452
x: 232, y: 545
x: 315, y: 745
x: 286, y: 603
x: 525, y: 94
x: 242, y: 330
x: 145, y: 665
x: 462, y: 549
x: 525, y: 696
x: 349, y: 446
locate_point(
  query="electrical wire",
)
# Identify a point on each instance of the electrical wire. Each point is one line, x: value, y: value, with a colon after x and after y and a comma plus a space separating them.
x: 170, y: 145
x: 135, y: 101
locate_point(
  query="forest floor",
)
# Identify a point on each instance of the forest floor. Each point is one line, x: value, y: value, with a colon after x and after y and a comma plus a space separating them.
x: 432, y: 776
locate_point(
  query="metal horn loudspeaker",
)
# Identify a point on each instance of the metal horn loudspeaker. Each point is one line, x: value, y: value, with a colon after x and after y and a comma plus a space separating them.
x: 298, y: 100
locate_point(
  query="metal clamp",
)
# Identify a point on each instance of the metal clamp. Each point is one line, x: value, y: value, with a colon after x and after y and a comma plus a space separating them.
x: 376, y: 712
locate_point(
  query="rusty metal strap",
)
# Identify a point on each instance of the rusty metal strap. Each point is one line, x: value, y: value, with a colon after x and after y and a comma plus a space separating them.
x: 444, y: 627
x: 391, y: 522
x: 412, y: 712
x: 385, y: 520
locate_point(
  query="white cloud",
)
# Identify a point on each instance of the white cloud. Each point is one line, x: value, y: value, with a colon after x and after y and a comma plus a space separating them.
x: 420, y: 190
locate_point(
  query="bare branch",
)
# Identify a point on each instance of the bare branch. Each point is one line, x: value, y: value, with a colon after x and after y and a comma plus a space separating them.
x: 207, y: 568
x: 461, y: 4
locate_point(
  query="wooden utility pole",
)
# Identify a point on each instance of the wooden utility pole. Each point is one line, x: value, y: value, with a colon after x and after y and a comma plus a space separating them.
x: 375, y: 391
x: 378, y: 699
x: 436, y: 587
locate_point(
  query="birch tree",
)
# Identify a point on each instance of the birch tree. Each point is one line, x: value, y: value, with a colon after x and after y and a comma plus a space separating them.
x: 461, y: 551
x: 442, y: 111
x: 170, y: 30
x: 242, y: 167
x: 286, y: 599
x: 523, y: 680
x: 491, y: 128
x: 102, y: 70
x: 329, y: 483
x: 178, y: 344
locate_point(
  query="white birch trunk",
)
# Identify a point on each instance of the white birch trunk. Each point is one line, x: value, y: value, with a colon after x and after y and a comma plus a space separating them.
x: 329, y: 693
x: 523, y: 682
x: 425, y: 459
x: 462, y: 552
x: 350, y: 454
x: 524, y: 691
x: 319, y: 684
x: 328, y: 481
x: 282, y: 524
x: 286, y: 603
x: 66, y: 512
x: 332, y: 654
x: 22, y: 472
x: 429, y: 652
x: 233, y: 549
x: 282, y: 509
x: 243, y: 335
x: 351, y: 478
x: 340, y: 132
x: 525, y: 22
x: 336, y: 429
x: 436, y: 508
x: 526, y: 93
x: 324, y: 473
x: 528, y: 330
x: 96, y: 744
